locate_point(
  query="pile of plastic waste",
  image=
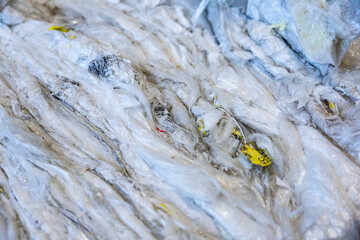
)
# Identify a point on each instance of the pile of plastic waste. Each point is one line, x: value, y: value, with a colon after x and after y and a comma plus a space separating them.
x: 165, y: 119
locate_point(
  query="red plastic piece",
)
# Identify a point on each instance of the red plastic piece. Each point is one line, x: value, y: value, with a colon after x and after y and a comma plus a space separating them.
x: 160, y: 130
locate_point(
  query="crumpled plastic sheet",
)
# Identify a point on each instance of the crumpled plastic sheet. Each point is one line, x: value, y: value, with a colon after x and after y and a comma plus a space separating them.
x: 100, y: 133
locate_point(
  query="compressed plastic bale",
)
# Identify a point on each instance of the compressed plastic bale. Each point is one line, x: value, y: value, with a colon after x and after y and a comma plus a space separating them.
x: 167, y: 190
x: 320, y: 30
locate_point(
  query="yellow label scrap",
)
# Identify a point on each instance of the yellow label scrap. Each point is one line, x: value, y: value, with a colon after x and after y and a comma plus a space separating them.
x: 61, y: 29
x: 237, y: 134
x: 258, y: 157
x: 201, y: 125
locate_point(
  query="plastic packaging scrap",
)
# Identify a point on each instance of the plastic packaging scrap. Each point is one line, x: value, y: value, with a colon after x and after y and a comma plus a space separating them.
x: 163, y: 117
x: 113, y: 68
x: 102, y: 66
x: 166, y: 124
x: 256, y: 155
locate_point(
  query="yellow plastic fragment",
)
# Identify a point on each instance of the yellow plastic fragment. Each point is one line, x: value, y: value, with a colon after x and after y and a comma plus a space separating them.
x: 333, y: 107
x: 72, y: 37
x: 2, y: 191
x: 166, y: 208
x: 330, y: 107
x: 237, y: 133
x: 282, y: 25
x: 258, y: 157
x: 201, y: 125
x: 61, y: 29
